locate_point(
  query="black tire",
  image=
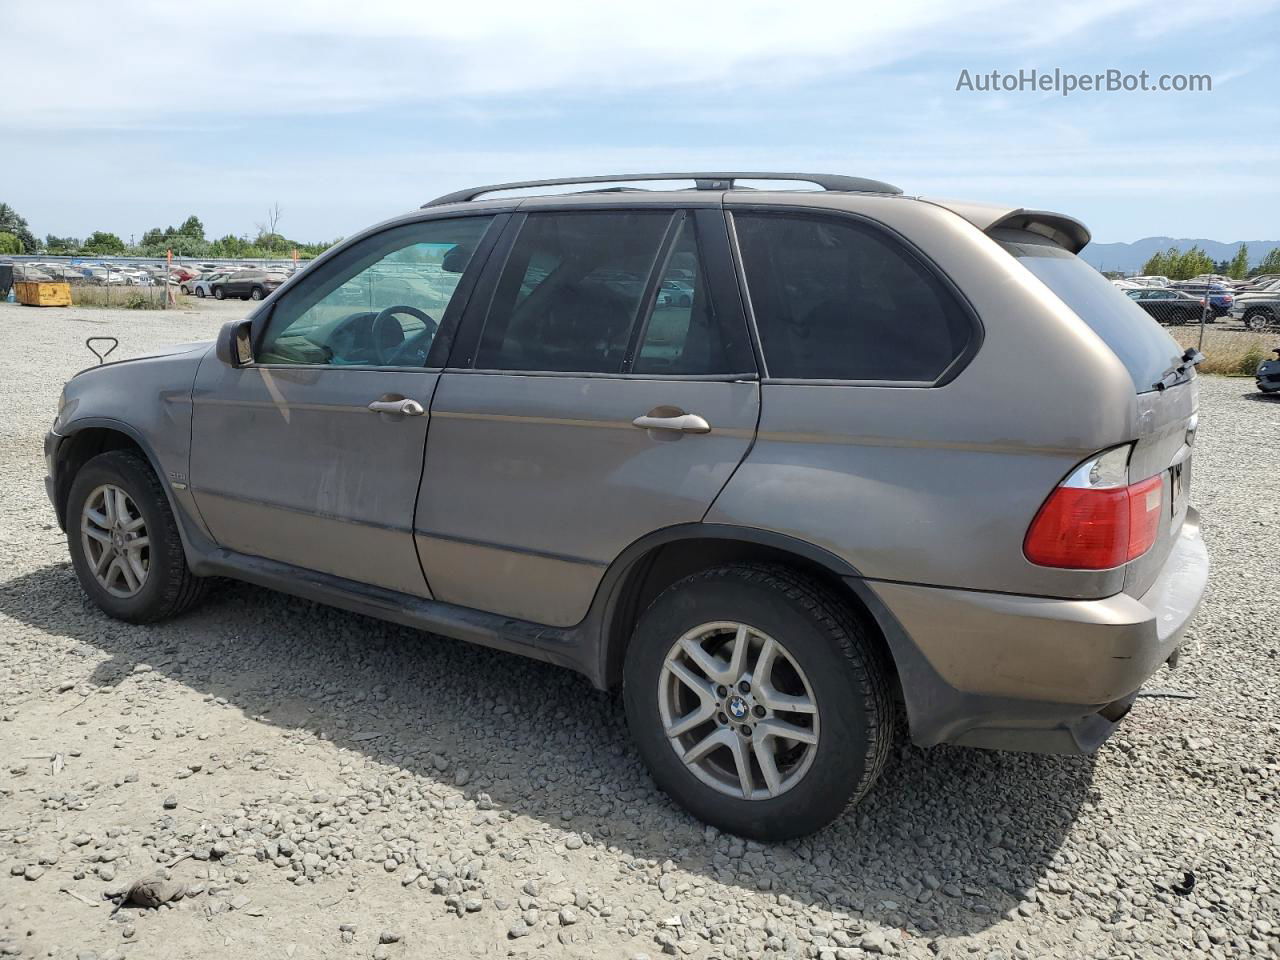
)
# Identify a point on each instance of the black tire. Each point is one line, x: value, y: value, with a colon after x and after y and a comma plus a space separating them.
x: 835, y: 650
x: 255, y: 293
x: 170, y: 587
x: 1259, y: 319
x: 200, y: 292
x: 219, y: 293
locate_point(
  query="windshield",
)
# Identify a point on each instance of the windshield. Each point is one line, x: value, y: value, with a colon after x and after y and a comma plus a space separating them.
x: 1146, y: 351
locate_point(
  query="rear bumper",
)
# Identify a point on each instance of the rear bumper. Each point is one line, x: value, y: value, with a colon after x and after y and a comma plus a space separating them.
x: 1036, y: 673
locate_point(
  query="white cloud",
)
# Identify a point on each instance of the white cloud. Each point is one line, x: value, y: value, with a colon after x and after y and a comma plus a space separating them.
x: 144, y: 63
x: 349, y: 112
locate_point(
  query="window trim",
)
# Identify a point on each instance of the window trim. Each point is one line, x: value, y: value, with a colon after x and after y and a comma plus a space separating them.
x: 467, y: 341
x: 649, y: 299
x: 335, y: 261
x: 948, y: 373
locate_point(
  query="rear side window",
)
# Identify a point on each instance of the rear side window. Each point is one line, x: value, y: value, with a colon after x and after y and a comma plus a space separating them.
x: 1133, y: 335
x: 842, y: 300
x: 572, y: 291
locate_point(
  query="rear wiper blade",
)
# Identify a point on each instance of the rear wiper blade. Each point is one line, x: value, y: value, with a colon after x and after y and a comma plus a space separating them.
x: 1191, y: 358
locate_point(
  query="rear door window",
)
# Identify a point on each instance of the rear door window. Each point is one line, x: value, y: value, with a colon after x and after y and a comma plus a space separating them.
x: 1133, y: 335
x: 839, y: 299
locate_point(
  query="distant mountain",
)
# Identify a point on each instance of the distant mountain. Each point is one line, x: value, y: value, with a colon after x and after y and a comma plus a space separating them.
x: 1130, y: 257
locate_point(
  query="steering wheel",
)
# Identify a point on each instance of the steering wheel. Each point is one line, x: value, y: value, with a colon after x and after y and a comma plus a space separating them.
x: 388, y: 335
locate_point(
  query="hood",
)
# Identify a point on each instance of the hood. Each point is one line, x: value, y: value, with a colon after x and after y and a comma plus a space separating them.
x: 175, y: 350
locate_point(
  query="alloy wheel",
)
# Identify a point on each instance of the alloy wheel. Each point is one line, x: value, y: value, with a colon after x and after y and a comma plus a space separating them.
x: 113, y: 534
x: 738, y: 710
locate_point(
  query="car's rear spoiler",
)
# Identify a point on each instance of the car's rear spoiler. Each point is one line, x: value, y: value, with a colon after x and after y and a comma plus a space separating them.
x: 1067, y: 232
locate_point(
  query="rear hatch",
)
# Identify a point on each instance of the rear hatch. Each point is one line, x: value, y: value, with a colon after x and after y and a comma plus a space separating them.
x: 1166, y: 401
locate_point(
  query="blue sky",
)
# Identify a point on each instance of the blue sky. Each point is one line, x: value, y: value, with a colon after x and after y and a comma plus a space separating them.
x: 136, y: 114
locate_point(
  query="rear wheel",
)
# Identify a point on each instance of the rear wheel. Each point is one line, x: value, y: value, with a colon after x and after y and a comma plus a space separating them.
x: 758, y: 700
x: 255, y: 293
x: 200, y: 292
x: 124, y: 540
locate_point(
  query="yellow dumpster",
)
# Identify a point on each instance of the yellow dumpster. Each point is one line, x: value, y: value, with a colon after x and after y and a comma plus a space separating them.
x: 39, y: 294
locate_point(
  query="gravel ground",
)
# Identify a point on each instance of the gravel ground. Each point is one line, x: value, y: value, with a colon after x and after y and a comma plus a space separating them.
x: 331, y: 786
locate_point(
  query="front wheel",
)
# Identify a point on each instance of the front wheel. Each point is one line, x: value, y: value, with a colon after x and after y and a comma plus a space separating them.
x: 200, y: 292
x: 758, y: 700
x: 219, y: 293
x: 256, y: 293
x: 124, y: 540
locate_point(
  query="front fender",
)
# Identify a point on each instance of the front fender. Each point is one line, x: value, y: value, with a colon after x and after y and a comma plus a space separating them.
x: 148, y: 401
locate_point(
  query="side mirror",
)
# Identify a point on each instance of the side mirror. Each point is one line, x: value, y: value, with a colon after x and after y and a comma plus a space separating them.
x: 235, y: 343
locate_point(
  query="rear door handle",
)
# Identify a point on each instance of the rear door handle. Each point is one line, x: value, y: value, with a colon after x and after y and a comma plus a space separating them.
x: 407, y: 408
x: 684, y: 423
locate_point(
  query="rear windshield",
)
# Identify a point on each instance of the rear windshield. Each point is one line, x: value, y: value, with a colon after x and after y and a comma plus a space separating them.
x: 1133, y: 335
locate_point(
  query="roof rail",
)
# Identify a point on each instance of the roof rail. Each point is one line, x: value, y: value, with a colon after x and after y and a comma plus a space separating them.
x: 703, y: 181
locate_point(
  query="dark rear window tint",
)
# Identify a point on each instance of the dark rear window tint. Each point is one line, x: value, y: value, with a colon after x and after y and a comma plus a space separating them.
x: 837, y: 299
x: 1133, y: 335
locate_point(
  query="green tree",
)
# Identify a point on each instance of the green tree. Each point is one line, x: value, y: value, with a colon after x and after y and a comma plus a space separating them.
x: 61, y: 244
x: 228, y: 246
x: 1270, y: 264
x: 1191, y: 264
x: 9, y: 243
x: 153, y: 237
x: 272, y: 242
x: 11, y: 222
x: 192, y: 227
x: 1239, y: 266
x: 1158, y: 265
x: 1179, y: 265
x: 102, y: 242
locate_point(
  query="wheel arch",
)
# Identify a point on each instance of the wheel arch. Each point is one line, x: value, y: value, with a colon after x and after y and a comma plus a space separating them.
x: 84, y: 440
x: 654, y: 562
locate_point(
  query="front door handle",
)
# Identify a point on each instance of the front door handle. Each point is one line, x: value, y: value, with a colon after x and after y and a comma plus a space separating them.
x: 407, y: 408
x: 684, y: 423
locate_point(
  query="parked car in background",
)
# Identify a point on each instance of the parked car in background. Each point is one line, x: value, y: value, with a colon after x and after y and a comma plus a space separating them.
x: 726, y: 515
x: 27, y: 272
x: 1257, y: 283
x: 1173, y: 307
x: 1260, y: 308
x: 204, y: 286
x: 246, y: 284
x: 104, y: 276
x: 1219, y: 297
x: 675, y: 293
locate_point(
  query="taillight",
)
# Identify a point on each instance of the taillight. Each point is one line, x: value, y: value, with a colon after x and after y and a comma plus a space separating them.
x: 1095, y: 519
